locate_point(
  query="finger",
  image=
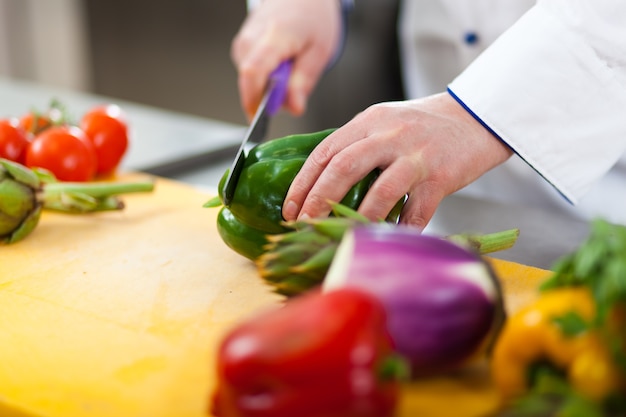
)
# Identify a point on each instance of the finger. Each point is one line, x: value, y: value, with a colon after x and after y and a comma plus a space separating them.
x: 344, y: 170
x: 332, y: 185
x: 391, y: 186
x: 306, y: 72
x: 252, y: 80
x: 243, y: 41
x: 240, y: 48
x: 301, y: 83
x: 313, y: 167
x: 302, y: 184
x: 421, y: 205
x: 254, y: 69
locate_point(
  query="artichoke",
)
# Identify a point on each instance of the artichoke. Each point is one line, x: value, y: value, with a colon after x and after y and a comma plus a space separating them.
x: 296, y: 261
x: 19, y: 207
x: 25, y: 192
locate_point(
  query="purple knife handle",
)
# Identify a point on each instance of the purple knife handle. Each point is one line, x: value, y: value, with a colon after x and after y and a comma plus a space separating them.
x: 280, y: 77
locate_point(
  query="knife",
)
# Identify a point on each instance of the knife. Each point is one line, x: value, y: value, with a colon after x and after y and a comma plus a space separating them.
x: 270, y: 103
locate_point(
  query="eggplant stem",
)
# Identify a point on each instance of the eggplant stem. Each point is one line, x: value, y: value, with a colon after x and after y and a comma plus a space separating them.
x: 489, y: 242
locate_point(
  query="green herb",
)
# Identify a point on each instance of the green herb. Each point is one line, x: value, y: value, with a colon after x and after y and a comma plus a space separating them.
x: 599, y: 263
x: 552, y: 396
x: 571, y: 324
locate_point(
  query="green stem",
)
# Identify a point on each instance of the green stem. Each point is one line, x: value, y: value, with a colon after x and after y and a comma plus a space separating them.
x: 488, y: 243
x: 394, y: 368
x: 84, y: 197
x: 96, y: 189
x: 72, y: 205
x: 483, y: 244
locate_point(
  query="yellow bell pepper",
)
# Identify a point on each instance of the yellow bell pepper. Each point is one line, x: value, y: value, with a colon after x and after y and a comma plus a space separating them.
x: 532, y: 335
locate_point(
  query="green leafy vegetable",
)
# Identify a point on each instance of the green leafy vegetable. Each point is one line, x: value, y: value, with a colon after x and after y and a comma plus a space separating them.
x: 600, y: 264
x: 552, y: 396
x: 571, y: 324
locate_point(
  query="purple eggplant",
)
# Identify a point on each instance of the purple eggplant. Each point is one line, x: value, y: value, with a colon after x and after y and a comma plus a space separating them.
x: 443, y: 300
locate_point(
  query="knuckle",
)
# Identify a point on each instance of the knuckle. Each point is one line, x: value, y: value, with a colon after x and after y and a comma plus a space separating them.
x: 297, y: 187
x: 238, y: 43
x: 241, y: 44
x: 376, y: 210
x: 437, y: 180
x: 321, y: 156
x: 375, y: 111
x: 316, y: 205
x: 381, y: 111
x: 316, y: 200
x: 344, y: 164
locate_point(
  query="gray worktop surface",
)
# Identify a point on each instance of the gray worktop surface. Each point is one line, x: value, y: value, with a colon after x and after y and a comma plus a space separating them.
x: 161, y: 142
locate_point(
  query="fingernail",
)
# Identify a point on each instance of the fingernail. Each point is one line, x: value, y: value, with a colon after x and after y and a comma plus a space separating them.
x: 290, y: 211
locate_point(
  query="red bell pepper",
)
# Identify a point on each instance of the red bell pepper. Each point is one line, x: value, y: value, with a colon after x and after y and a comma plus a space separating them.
x: 319, y: 355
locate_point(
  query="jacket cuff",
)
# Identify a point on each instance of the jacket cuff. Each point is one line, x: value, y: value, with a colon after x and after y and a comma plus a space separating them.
x: 544, y: 90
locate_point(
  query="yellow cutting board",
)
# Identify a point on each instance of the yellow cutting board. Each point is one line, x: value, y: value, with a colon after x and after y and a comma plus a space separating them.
x: 120, y: 313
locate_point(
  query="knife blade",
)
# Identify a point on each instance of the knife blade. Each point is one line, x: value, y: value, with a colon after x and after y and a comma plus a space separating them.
x: 270, y: 103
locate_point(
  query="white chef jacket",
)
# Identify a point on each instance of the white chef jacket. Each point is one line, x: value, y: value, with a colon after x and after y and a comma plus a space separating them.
x: 547, y: 77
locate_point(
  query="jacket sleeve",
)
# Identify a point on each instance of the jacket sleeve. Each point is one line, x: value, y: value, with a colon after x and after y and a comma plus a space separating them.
x: 553, y: 87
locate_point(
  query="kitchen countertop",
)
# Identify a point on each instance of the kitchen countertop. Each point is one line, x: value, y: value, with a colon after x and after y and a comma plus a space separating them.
x: 198, y: 150
x: 544, y: 236
x: 161, y: 142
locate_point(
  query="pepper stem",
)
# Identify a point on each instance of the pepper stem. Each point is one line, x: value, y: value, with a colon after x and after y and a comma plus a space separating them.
x: 394, y: 368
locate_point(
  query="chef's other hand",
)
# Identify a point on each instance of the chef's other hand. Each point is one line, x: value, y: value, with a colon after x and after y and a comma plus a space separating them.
x: 277, y: 30
x: 426, y: 148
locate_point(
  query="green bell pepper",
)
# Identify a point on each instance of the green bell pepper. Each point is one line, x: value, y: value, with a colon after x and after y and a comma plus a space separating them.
x: 256, y: 207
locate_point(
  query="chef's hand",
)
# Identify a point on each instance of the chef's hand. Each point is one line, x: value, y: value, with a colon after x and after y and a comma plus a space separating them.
x: 276, y: 30
x: 427, y: 148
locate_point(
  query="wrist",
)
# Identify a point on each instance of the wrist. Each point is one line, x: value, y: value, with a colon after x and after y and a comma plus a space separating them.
x: 480, y: 125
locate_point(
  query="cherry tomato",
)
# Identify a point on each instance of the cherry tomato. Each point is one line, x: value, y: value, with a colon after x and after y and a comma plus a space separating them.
x: 35, y: 123
x: 107, y: 129
x: 65, y: 151
x: 13, y: 140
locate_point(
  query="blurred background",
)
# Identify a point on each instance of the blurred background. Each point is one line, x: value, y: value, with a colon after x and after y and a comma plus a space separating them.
x: 174, y: 55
